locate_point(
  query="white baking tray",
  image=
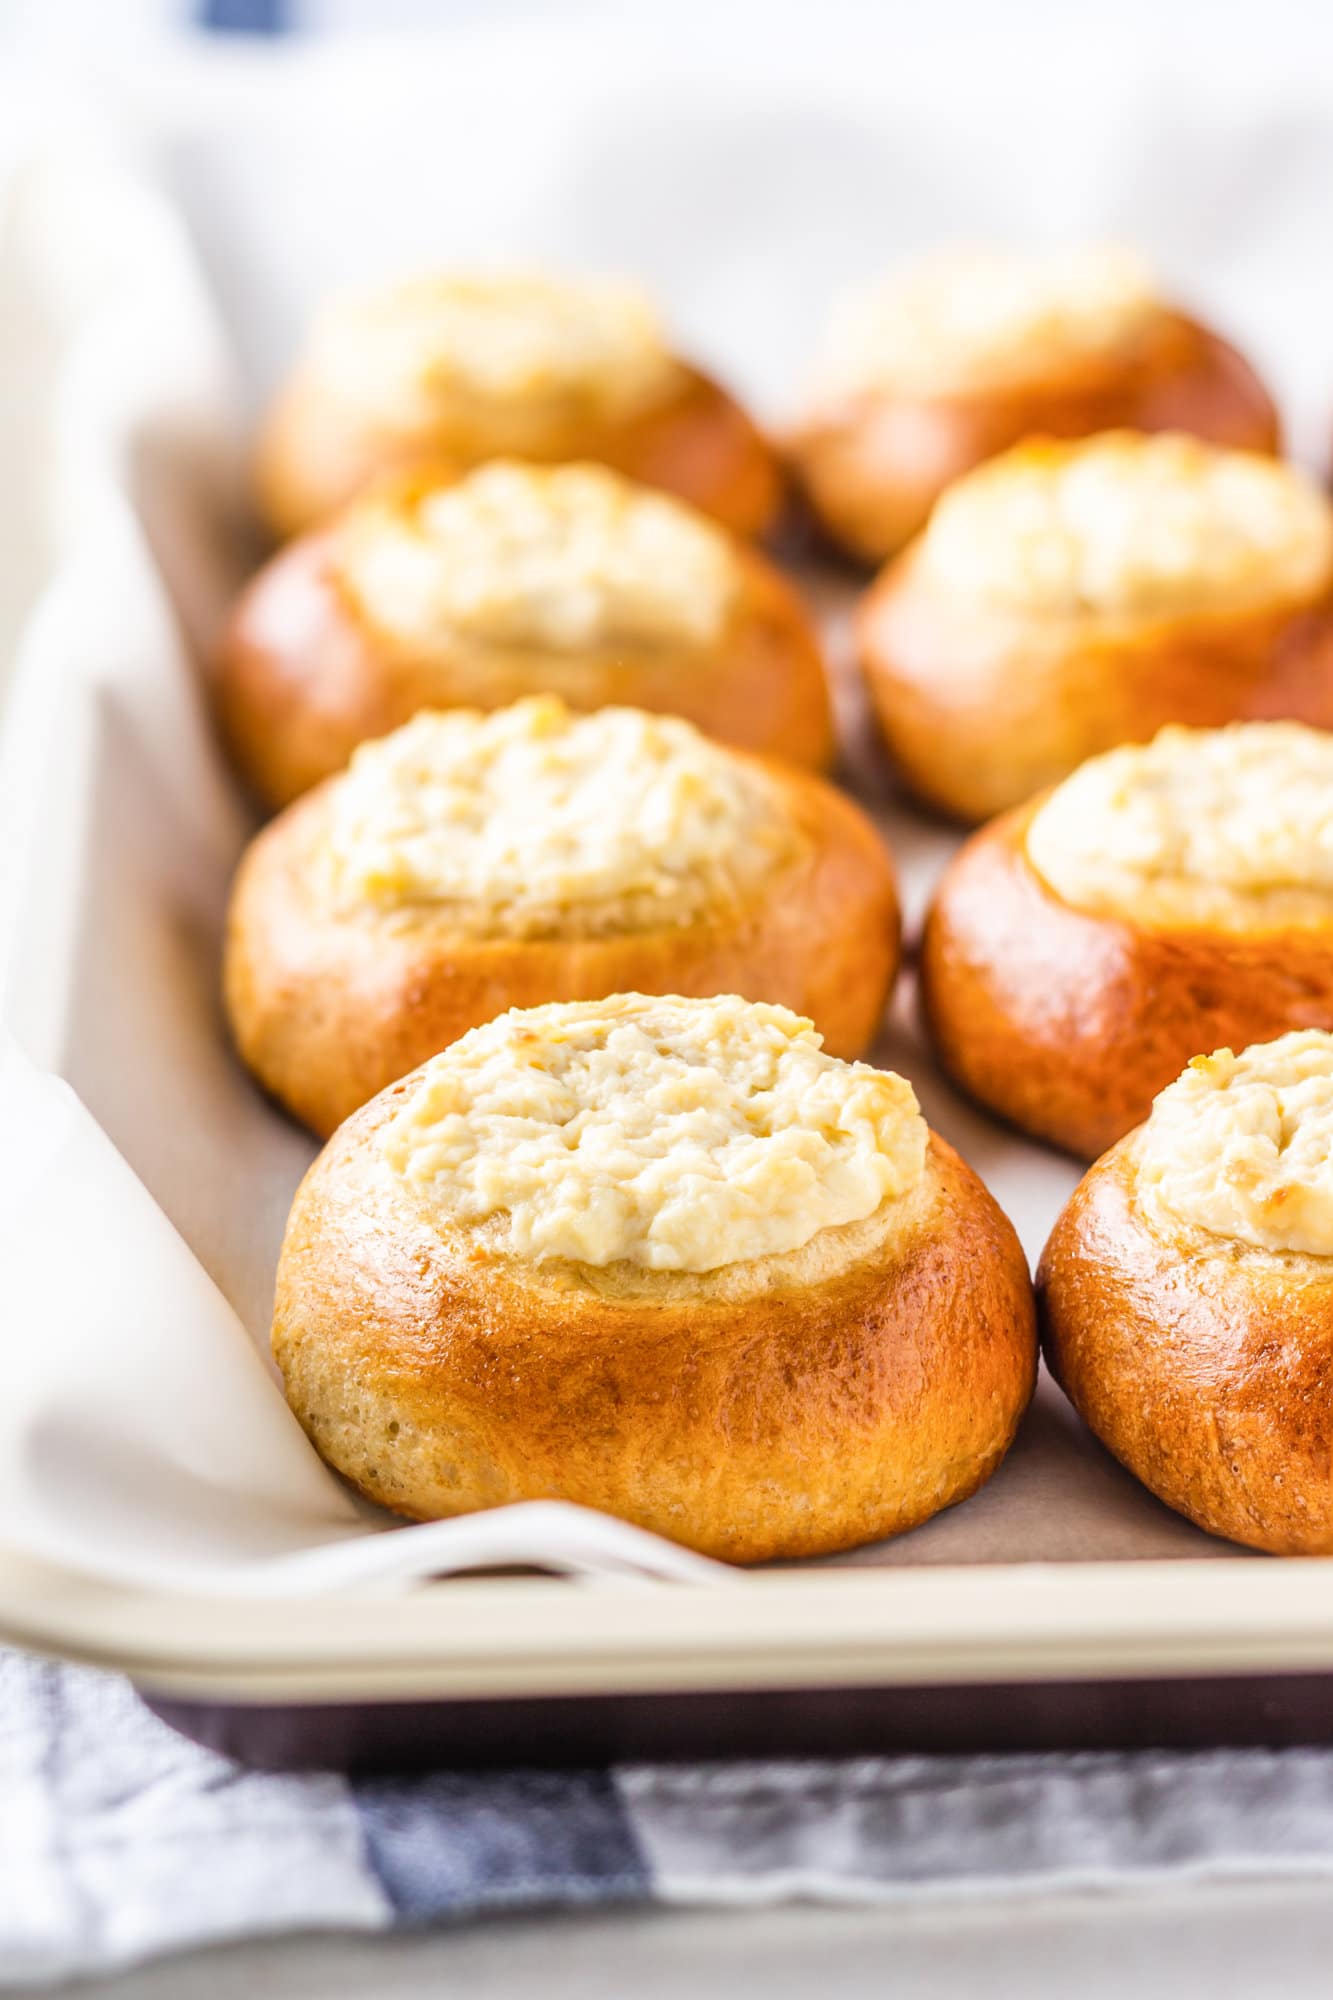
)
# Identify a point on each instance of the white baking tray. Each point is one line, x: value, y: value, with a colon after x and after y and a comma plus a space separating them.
x: 152, y: 1484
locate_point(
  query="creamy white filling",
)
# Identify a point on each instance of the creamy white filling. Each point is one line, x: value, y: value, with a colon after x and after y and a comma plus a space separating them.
x: 1242, y: 1146
x: 1129, y: 525
x: 531, y: 820
x: 679, y: 1135
x: 571, y: 558
x: 438, y: 350
x: 968, y: 319
x: 1226, y: 826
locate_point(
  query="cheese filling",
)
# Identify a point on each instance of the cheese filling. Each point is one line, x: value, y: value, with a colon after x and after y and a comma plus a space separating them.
x: 1231, y: 827
x: 678, y: 1135
x: 1242, y: 1146
x: 459, y: 352
x: 570, y: 558
x: 1132, y: 526
x: 532, y: 821
x: 972, y: 319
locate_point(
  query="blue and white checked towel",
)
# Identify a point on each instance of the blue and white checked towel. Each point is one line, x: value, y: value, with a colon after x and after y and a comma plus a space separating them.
x: 120, y: 1841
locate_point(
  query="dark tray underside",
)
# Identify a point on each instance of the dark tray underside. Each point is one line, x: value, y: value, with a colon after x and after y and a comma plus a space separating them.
x: 574, y: 1730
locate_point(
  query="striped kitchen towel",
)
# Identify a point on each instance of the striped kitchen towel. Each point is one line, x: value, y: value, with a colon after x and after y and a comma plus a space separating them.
x: 120, y: 1841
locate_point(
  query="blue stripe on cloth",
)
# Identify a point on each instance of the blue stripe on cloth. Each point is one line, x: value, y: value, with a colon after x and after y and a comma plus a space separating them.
x: 244, y: 17
x: 454, y: 1844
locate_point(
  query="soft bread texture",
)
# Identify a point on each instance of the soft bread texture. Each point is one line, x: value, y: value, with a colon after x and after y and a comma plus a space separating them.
x: 304, y: 675
x: 1203, y: 1365
x: 983, y: 702
x: 329, y: 1005
x: 315, y: 454
x: 791, y: 1406
x: 873, y: 462
x: 1068, y: 1022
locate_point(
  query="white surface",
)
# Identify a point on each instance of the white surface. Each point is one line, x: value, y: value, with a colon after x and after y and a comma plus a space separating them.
x: 749, y: 192
x: 1240, y: 1944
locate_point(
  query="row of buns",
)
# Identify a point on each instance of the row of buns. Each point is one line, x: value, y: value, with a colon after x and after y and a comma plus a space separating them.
x: 1082, y: 575
x: 1062, y: 600
x: 1163, y: 901
x: 921, y: 376
x: 546, y: 730
x: 667, y: 1258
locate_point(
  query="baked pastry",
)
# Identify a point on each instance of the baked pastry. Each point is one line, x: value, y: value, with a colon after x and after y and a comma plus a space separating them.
x: 1187, y: 1296
x: 462, y: 367
x: 517, y: 580
x: 966, y: 353
x: 1069, y: 597
x: 472, y: 862
x: 661, y: 1257
x: 1162, y: 900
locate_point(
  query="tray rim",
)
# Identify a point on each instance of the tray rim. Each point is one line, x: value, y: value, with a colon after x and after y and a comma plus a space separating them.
x: 491, y: 1637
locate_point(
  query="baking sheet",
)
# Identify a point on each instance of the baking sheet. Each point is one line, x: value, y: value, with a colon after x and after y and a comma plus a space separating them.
x: 142, y: 1433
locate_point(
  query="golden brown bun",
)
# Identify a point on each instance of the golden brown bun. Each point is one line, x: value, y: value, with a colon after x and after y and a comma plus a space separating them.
x: 982, y: 707
x: 788, y: 1407
x: 328, y: 1009
x: 314, y: 455
x: 1068, y: 1023
x: 303, y: 676
x: 1202, y: 1365
x: 874, y: 466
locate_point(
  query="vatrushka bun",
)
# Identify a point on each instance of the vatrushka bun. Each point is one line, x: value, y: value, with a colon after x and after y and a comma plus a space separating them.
x: 1164, y: 899
x: 461, y: 367
x: 1069, y: 597
x: 1187, y: 1295
x: 472, y: 862
x: 661, y: 1257
x: 517, y: 580
x: 965, y: 353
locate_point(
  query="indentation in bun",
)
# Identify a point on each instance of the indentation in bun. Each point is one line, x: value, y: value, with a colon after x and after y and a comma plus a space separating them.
x: 531, y: 820
x: 965, y: 319
x: 1125, y: 524
x: 1228, y: 827
x: 570, y: 557
x: 1242, y: 1146
x: 439, y: 349
x: 678, y: 1135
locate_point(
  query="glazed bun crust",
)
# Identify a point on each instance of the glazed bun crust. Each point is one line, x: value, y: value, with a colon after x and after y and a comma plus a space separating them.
x: 1203, y: 1366
x: 315, y: 454
x: 982, y: 706
x: 751, y: 1413
x: 874, y: 466
x: 328, y: 1010
x: 1066, y: 1023
x: 303, y: 676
